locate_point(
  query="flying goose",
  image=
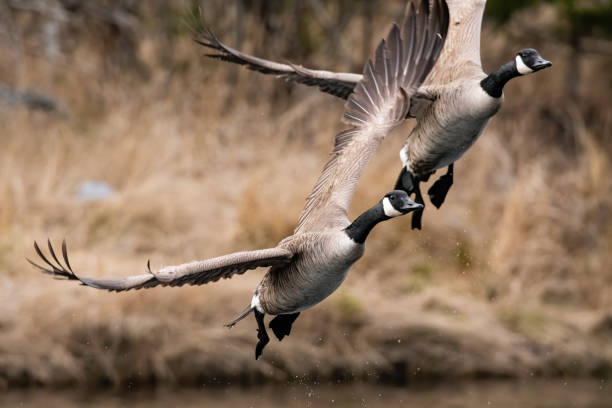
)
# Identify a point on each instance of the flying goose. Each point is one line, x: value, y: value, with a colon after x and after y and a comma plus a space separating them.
x: 451, y: 108
x: 309, y: 265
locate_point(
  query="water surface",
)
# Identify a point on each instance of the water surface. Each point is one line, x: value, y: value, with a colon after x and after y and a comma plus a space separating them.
x: 532, y: 394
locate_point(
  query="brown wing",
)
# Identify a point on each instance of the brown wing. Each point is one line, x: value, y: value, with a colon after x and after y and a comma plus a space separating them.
x: 193, y: 273
x: 339, y: 84
x: 379, y: 103
x: 460, y: 57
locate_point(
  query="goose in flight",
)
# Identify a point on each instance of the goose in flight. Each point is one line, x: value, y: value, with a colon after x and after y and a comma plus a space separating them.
x: 452, y: 107
x: 309, y: 265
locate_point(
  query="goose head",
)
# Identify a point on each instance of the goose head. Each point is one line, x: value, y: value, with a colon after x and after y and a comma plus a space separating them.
x: 393, y: 204
x: 525, y: 62
x: 397, y: 203
x: 528, y: 61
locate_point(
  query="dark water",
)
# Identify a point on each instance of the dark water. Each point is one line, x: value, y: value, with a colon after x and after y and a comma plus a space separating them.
x: 536, y: 394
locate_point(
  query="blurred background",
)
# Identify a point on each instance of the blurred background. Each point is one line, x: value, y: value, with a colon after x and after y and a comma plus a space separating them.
x: 120, y: 136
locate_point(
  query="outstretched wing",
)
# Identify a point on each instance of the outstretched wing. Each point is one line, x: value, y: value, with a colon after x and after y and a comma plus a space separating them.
x: 339, y: 84
x: 466, y: 15
x: 460, y: 57
x: 193, y: 273
x: 379, y: 103
x: 342, y: 84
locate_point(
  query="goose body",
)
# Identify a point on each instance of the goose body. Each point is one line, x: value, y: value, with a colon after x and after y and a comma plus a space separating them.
x: 321, y: 264
x: 452, y: 107
x: 448, y: 127
x: 309, y: 265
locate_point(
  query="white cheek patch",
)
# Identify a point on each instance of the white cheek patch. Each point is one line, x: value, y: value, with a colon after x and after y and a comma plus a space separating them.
x: 389, y: 210
x: 521, y: 67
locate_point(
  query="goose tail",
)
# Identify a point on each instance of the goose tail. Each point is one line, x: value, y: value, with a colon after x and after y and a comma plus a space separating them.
x: 243, y: 315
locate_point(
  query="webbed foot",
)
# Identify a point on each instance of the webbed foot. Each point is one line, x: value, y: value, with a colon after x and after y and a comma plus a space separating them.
x: 262, y: 335
x: 437, y: 193
x: 417, y: 216
x: 281, y: 325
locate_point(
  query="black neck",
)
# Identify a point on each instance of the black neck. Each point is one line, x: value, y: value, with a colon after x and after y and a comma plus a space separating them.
x: 360, y: 228
x: 494, y: 83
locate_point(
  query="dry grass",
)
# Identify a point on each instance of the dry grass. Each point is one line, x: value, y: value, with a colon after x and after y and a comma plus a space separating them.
x: 510, y: 278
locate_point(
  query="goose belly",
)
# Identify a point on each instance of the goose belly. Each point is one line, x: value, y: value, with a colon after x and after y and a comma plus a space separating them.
x: 319, y: 289
x: 449, y: 129
x: 313, y: 277
x: 448, y: 145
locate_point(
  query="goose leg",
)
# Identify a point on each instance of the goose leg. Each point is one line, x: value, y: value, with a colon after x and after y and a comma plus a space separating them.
x: 418, y: 214
x: 439, y: 190
x: 262, y: 335
x: 281, y: 325
x: 405, y: 181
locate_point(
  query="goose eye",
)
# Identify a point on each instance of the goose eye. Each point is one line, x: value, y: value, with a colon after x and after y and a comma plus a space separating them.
x: 391, y: 197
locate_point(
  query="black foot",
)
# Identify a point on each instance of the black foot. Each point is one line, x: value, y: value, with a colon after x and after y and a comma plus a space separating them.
x: 262, y: 335
x: 417, y: 216
x: 405, y: 181
x: 281, y: 325
x: 439, y: 190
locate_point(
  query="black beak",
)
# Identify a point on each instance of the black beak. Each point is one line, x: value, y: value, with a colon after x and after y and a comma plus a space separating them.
x: 408, y: 205
x: 541, y: 63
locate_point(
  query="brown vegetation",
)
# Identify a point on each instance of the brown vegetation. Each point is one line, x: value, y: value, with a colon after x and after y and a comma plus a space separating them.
x: 510, y: 278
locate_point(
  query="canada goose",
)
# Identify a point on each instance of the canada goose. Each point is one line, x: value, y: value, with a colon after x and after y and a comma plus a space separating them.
x: 309, y: 265
x: 452, y: 107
